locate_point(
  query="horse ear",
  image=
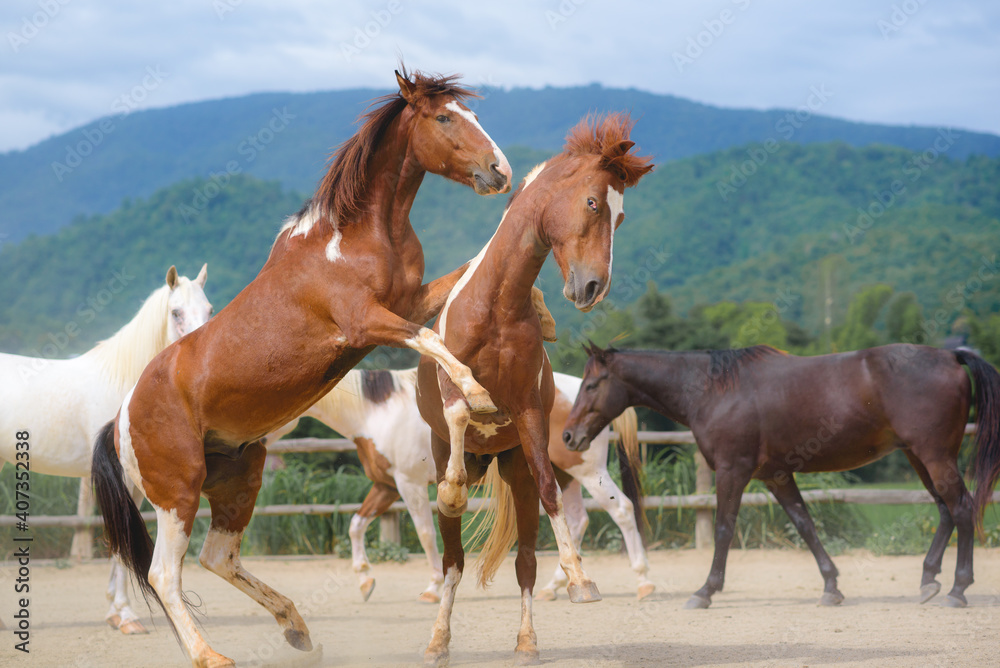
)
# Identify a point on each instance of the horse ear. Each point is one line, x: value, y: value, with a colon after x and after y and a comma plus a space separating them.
x: 625, y: 145
x: 407, y: 88
x: 172, y: 277
x: 202, y: 275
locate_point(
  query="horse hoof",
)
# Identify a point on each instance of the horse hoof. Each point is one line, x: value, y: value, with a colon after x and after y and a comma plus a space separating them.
x: 480, y: 402
x: 527, y: 657
x: 429, y: 597
x: 436, y: 659
x: 645, y: 590
x: 367, y: 587
x: 546, y: 595
x: 956, y: 601
x: 929, y: 591
x: 215, y: 661
x: 132, y: 627
x: 114, y: 621
x: 697, y: 603
x: 831, y: 598
x: 585, y: 592
x: 299, y: 639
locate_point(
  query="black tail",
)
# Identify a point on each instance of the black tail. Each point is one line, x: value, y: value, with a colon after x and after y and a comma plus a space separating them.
x: 630, y: 465
x: 124, y: 527
x: 986, y: 399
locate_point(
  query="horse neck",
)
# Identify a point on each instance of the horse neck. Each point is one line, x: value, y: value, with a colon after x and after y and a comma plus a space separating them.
x: 395, y: 176
x: 125, y: 354
x: 514, y: 257
x: 670, y: 383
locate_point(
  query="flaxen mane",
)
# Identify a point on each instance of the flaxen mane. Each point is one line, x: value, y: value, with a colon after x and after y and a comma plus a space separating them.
x: 344, y: 190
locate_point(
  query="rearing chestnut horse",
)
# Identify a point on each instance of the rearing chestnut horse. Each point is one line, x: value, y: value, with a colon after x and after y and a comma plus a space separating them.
x: 571, y: 206
x: 343, y: 276
x: 759, y: 413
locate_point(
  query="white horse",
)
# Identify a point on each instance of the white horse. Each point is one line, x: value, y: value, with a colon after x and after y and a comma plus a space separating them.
x: 378, y: 411
x: 62, y: 404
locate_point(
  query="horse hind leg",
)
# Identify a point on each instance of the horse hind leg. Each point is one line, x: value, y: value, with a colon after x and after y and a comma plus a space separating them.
x: 514, y: 470
x: 377, y: 501
x: 231, y: 489
x: 414, y: 495
x: 120, y: 615
x: 929, y: 586
x: 577, y: 520
x: 948, y: 484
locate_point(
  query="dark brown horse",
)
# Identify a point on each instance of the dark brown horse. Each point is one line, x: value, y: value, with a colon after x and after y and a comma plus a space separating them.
x: 343, y: 276
x: 759, y: 413
x: 571, y: 206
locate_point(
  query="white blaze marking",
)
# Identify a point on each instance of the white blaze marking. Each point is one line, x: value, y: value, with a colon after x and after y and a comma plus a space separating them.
x: 616, y: 202
x: 504, y: 166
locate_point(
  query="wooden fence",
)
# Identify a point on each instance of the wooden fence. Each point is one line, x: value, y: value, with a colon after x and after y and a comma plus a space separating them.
x: 701, y: 501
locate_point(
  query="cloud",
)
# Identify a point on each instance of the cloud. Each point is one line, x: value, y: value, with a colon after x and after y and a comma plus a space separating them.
x: 935, y: 64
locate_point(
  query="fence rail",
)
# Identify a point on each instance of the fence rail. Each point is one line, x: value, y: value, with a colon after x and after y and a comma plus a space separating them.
x: 702, y: 502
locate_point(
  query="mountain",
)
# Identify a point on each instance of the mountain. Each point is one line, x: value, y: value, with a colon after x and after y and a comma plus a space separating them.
x: 809, y: 222
x: 288, y: 136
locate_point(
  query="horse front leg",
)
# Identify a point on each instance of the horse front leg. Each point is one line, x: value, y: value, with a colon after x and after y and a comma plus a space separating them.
x: 453, y: 488
x: 729, y: 484
x: 532, y: 427
x: 381, y: 327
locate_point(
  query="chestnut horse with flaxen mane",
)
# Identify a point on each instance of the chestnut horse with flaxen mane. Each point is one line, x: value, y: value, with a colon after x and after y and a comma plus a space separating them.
x: 343, y: 276
x: 759, y: 413
x: 571, y: 206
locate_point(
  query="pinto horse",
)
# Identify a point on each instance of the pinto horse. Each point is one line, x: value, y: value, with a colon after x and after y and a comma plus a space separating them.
x: 62, y: 404
x: 570, y: 205
x: 760, y: 413
x: 378, y: 411
x: 344, y: 275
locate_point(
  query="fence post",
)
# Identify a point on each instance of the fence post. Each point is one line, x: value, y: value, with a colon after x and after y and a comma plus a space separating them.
x: 388, y: 526
x: 703, y: 530
x: 83, y: 542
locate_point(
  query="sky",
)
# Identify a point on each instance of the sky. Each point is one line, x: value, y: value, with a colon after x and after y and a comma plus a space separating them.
x: 64, y: 63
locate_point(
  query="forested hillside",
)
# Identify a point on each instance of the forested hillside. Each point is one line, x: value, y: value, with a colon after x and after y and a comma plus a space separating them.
x: 807, y: 226
x: 287, y: 137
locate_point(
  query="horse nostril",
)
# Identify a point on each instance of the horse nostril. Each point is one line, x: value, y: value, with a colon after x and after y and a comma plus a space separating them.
x: 500, y: 176
x: 590, y: 291
x: 567, y: 437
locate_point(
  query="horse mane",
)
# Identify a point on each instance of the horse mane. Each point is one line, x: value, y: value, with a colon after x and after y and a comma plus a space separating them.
x: 126, y: 353
x: 607, y: 136
x: 724, y: 365
x: 343, y: 192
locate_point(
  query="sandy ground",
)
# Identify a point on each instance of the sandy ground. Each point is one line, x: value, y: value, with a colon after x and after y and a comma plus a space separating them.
x: 767, y: 616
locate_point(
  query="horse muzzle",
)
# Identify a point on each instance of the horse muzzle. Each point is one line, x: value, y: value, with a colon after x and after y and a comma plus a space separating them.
x: 584, y: 288
x: 576, y: 440
x: 495, y: 178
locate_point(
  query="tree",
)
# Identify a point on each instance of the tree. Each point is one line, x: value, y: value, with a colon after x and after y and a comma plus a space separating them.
x: 857, y: 332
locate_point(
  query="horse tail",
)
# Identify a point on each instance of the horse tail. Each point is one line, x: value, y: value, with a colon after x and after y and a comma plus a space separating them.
x: 124, y: 528
x: 630, y: 464
x: 986, y: 399
x: 497, y: 532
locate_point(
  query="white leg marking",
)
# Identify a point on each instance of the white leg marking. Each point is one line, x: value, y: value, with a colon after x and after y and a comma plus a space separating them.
x: 427, y: 342
x: 359, y: 558
x: 441, y: 635
x: 165, y: 577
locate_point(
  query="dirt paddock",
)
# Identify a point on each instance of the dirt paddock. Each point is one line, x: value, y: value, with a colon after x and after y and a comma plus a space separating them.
x: 767, y: 616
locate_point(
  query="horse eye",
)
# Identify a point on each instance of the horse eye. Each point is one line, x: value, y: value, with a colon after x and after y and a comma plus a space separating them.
x: 592, y: 203
x: 443, y: 119
x: 591, y: 386
x: 176, y: 313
